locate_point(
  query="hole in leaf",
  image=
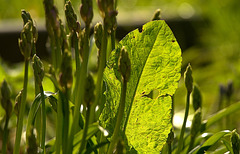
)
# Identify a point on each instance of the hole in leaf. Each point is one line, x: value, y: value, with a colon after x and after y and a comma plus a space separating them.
x: 153, y: 94
x: 140, y: 29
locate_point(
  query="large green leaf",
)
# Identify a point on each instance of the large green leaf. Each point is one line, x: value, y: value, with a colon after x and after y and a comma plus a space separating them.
x: 155, y: 62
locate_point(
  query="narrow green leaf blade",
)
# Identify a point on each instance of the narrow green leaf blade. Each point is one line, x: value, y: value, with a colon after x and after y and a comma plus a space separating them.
x: 155, y: 67
x: 211, y: 141
x: 219, y: 115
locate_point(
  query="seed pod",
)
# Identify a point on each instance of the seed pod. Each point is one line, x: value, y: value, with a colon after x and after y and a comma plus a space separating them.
x: 17, y: 103
x: 235, y: 142
x: 196, y: 98
x: 6, y: 98
x: 124, y: 64
x: 188, y: 79
x: 89, y: 90
x: 38, y: 69
x: 196, y: 122
x: 86, y: 11
x: 156, y: 15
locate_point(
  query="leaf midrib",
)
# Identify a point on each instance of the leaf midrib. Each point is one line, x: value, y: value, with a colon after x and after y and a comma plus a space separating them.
x: 135, y: 89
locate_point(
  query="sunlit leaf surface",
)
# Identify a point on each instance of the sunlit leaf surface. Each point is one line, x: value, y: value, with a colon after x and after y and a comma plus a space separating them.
x: 156, y: 62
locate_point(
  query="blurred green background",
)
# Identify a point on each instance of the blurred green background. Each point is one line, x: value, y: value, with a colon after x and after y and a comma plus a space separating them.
x: 214, y: 56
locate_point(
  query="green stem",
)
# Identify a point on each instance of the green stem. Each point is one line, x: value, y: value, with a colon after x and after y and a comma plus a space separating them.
x: 102, y: 64
x: 113, y: 33
x: 22, y: 111
x: 114, y: 138
x: 5, y: 136
x: 58, y: 142
x: 180, y: 142
x: 83, y: 144
x: 80, y: 89
x: 191, y: 143
x: 43, y: 120
x: 58, y: 53
x: 65, y: 119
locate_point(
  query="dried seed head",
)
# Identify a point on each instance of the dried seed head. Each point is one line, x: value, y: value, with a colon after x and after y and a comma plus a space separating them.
x: 98, y: 33
x: 38, y: 69
x: 6, y: 98
x: 89, y: 90
x: 86, y: 11
x: 196, y: 122
x: 196, y: 98
x: 188, y: 79
x: 124, y: 64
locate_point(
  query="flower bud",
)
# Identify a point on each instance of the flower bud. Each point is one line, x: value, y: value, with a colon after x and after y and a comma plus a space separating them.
x: 188, y: 79
x: 66, y: 77
x: 229, y: 90
x: 89, y: 90
x: 196, y: 98
x: 86, y: 11
x: 98, y: 33
x: 26, y: 18
x: 156, y: 15
x: 71, y: 17
x: 235, y: 141
x: 17, y: 103
x: 26, y: 40
x: 6, y: 98
x: 38, y: 69
x: 196, y: 123
x: 124, y: 64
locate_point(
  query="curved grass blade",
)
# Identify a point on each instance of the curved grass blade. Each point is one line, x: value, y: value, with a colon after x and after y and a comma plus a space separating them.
x: 211, y: 141
x: 219, y: 115
x: 34, y: 109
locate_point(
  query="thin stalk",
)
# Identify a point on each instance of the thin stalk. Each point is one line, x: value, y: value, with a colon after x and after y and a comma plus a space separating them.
x: 115, y: 136
x: 180, y: 142
x: 83, y: 144
x: 113, y: 33
x: 38, y: 115
x: 169, y: 148
x: 5, y: 137
x: 58, y: 53
x: 191, y: 143
x: 43, y: 110
x: 22, y: 111
x: 102, y: 64
x: 58, y: 142
x: 76, y: 47
x: 77, y: 60
x: 65, y: 119
x: 80, y: 89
